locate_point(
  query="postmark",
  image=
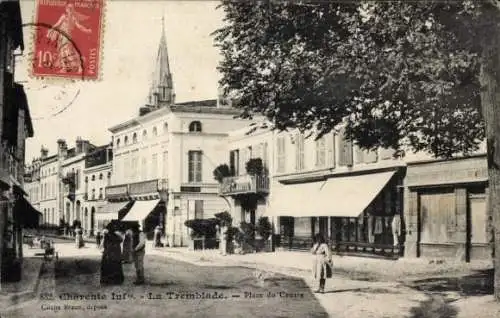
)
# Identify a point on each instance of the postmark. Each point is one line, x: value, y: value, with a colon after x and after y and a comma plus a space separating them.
x: 67, y: 40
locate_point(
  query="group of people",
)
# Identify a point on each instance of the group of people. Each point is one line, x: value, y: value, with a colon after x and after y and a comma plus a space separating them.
x: 114, y: 255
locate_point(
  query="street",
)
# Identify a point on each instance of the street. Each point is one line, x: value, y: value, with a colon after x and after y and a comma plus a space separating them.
x: 71, y: 286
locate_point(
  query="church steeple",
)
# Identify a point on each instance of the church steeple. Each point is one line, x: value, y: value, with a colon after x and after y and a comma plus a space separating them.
x: 162, y: 89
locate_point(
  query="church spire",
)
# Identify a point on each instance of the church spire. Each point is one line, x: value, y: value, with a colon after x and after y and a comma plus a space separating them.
x: 162, y: 89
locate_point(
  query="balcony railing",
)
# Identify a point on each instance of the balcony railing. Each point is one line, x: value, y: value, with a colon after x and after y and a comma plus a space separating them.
x: 244, y: 185
x: 69, y: 178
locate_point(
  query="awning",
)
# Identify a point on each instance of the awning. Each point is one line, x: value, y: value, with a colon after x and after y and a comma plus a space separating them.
x: 112, y: 209
x: 26, y: 215
x: 345, y: 196
x: 140, y: 210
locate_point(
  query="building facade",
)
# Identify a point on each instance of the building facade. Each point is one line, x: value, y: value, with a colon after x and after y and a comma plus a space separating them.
x: 164, y: 158
x: 15, y: 126
x: 308, y: 185
x: 97, y: 176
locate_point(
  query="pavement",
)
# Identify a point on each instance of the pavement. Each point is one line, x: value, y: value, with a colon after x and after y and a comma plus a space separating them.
x: 361, y: 287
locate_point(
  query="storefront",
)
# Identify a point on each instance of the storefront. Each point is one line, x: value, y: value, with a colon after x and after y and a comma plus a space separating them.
x: 447, y: 209
x: 356, y: 212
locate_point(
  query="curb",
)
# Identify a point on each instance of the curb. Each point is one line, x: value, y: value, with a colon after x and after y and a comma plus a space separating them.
x: 18, y: 298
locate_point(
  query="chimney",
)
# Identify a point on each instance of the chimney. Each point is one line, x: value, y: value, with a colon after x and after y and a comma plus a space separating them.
x: 62, y: 148
x: 78, y: 145
x: 85, y: 146
x: 44, y: 152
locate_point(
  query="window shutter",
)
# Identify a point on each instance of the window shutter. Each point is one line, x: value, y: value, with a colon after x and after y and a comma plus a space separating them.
x: 346, y: 150
x: 198, y: 209
x: 330, y: 150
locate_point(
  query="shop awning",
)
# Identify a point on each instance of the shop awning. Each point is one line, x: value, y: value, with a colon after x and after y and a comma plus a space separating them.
x: 140, y: 210
x: 26, y: 215
x: 345, y: 196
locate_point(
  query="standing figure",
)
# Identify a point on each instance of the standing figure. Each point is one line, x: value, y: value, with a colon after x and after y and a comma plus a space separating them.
x: 128, y: 247
x: 111, y: 263
x: 156, y: 237
x: 139, y: 243
x: 98, y: 238
x: 79, y: 238
x: 322, y: 263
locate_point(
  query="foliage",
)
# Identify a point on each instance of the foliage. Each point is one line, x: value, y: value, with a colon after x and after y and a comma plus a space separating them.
x: 224, y: 218
x: 254, y: 167
x: 221, y: 171
x: 264, y: 227
x: 202, y: 227
x: 398, y: 74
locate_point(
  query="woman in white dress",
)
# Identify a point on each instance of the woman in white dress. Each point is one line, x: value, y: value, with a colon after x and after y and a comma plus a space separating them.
x: 322, y: 263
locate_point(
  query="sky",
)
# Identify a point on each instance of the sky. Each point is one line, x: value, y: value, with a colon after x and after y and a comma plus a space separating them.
x: 130, y: 44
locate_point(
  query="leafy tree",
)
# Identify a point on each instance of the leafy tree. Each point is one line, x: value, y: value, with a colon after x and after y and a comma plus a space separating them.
x: 224, y: 218
x: 419, y: 75
x: 264, y: 227
x: 221, y: 171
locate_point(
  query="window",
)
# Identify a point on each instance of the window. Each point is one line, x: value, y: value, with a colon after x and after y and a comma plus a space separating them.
x: 194, y: 166
x: 281, y: 153
x: 86, y: 179
x: 100, y: 194
x: 154, y: 166
x: 144, y: 167
x: 100, y: 176
x: 345, y: 150
x: 165, y: 128
x: 198, y: 209
x: 93, y: 177
x: 144, y: 134
x: 234, y: 162
x: 265, y: 158
x: 155, y: 132
x: 125, y: 140
x: 93, y: 194
x: 134, y: 138
x: 135, y: 167
x: 320, y: 152
x: 165, y: 164
x: 299, y: 155
x: 109, y: 178
x: 195, y: 126
x: 118, y: 143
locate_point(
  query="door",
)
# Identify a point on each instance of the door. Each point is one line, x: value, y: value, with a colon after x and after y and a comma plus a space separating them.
x: 477, y: 221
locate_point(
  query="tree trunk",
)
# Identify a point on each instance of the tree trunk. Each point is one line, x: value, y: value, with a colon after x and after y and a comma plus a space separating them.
x: 490, y: 102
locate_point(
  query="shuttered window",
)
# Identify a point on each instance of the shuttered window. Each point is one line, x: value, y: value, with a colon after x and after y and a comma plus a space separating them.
x: 198, y: 209
x: 345, y: 150
x: 194, y: 166
x: 281, y: 154
x: 299, y: 155
x: 320, y: 152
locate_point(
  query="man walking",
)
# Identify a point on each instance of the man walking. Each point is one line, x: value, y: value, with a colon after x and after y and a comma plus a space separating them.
x: 139, y: 243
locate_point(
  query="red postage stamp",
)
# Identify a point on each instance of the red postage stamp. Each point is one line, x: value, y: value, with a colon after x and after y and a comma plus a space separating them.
x: 67, y: 39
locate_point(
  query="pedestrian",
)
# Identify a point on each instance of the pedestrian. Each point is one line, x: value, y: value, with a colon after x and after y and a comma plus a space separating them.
x: 111, y: 263
x: 98, y: 238
x: 139, y: 243
x: 128, y: 255
x: 156, y: 236
x: 79, y: 238
x: 322, y: 264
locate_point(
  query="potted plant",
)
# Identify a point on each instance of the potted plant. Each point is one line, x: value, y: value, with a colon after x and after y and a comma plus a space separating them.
x: 221, y: 171
x: 264, y: 231
x: 254, y: 167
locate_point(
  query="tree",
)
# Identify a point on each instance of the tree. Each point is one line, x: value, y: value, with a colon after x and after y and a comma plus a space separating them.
x: 254, y: 167
x: 418, y: 75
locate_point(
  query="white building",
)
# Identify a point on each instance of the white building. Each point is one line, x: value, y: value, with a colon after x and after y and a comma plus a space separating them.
x: 164, y: 159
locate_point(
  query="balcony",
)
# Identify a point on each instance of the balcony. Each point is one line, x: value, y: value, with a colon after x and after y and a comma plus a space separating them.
x: 246, y: 184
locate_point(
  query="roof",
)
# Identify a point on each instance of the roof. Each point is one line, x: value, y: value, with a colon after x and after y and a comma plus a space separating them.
x: 23, y: 100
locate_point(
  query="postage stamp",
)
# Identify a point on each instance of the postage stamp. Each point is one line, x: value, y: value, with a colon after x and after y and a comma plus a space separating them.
x: 67, y: 40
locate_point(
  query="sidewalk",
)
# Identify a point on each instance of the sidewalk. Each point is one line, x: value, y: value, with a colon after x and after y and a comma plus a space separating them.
x: 14, y: 293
